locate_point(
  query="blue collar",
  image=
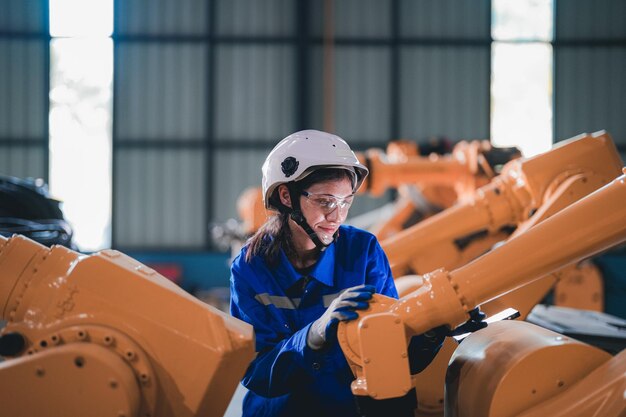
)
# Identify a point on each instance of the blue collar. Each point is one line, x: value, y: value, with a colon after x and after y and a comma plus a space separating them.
x: 323, y: 270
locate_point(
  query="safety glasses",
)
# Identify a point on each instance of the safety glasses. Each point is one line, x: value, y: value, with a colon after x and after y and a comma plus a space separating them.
x: 328, y: 202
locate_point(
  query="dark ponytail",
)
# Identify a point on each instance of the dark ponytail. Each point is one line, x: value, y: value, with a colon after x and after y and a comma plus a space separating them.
x: 270, y: 237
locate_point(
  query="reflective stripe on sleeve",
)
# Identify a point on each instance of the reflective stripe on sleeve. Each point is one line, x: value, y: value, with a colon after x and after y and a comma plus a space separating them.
x: 278, y: 301
x: 281, y: 301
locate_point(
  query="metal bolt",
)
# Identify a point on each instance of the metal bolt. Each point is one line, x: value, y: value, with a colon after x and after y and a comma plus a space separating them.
x: 108, y: 340
x: 366, y: 360
x: 145, y: 270
x: 364, y: 326
x: 40, y: 372
x: 404, y: 355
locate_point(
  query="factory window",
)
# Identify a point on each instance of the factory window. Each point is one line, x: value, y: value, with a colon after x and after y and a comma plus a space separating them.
x: 521, y: 74
x: 81, y: 74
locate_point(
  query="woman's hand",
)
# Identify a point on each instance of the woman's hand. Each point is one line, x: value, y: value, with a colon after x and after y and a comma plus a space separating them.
x: 342, y: 308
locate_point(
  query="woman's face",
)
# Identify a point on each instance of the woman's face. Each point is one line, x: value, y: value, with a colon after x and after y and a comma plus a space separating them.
x: 326, y: 206
x: 315, y: 207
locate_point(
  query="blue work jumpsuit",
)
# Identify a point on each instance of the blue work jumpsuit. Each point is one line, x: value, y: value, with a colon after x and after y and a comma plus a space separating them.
x: 287, y: 378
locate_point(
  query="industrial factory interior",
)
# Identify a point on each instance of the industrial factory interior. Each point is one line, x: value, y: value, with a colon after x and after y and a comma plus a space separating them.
x: 299, y: 208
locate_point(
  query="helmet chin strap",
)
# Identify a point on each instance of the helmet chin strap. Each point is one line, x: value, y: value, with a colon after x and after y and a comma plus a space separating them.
x: 295, y: 212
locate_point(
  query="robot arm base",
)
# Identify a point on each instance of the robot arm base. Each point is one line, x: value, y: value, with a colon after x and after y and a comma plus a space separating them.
x: 511, y: 366
x: 86, y: 379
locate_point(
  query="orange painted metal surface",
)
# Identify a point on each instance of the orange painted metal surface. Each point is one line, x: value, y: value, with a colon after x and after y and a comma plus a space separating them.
x: 522, y: 196
x: 428, y: 184
x: 586, y: 163
x: 526, y: 192
x: 251, y: 210
x: 461, y: 169
x: 598, y: 394
x: 580, y: 286
x: 105, y: 325
x: 446, y: 297
x: 517, y: 368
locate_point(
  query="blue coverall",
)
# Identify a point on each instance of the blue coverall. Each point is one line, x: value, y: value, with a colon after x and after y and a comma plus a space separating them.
x: 287, y: 378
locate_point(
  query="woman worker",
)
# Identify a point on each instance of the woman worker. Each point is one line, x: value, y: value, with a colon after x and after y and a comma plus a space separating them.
x: 302, y: 273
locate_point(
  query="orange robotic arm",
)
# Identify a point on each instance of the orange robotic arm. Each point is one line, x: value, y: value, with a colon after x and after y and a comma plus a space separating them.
x: 104, y: 335
x: 427, y: 185
x: 251, y: 210
x: 468, y: 162
x: 587, y: 227
x: 527, y: 191
x: 514, y: 368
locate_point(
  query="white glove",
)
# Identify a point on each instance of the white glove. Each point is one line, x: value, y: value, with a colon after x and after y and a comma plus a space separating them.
x: 343, y: 308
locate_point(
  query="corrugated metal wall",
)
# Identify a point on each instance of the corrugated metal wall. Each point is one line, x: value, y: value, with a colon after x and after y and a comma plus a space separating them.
x: 206, y: 89
x: 24, y: 51
x: 445, y: 92
x: 160, y: 124
x: 361, y: 19
x: 161, y: 92
x: 254, y: 92
x: 590, y: 69
x: 161, y: 17
x: 446, y: 74
x: 362, y: 93
x: 446, y: 19
x: 159, y: 198
x: 255, y: 18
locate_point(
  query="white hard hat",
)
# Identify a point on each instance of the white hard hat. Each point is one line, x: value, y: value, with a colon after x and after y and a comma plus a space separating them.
x: 301, y: 153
